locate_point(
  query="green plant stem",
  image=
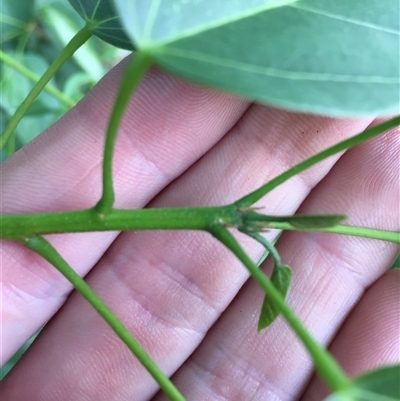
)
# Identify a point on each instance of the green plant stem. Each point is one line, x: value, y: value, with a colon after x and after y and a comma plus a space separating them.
x: 18, y: 227
x: 382, y: 235
x: 11, y: 145
x: 269, y: 247
x: 76, y: 42
x: 132, y: 76
x: 253, y: 197
x: 35, y: 78
x: 325, y: 365
x: 46, y: 250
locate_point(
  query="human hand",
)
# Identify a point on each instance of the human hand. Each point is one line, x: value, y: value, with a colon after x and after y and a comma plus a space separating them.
x: 181, y: 294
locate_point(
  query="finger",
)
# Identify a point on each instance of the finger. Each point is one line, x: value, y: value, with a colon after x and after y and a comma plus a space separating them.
x: 169, y: 288
x: 370, y: 336
x: 330, y: 274
x: 169, y: 124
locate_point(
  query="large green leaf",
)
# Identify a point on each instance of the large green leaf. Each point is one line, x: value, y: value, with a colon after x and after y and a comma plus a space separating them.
x: 104, y: 21
x: 378, y: 385
x: 335, y: 57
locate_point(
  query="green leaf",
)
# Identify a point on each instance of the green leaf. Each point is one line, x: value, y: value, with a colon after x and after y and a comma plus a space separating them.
x: 334, y: 57
x: 281, y: 278
x: 383, y: 382
x: 396, y: 263
x: 103, y: 20
x: 15, y: 86
x: 77, y: 86
x: 14, y: 17
x: 378, y: 385
x: 310, y: 222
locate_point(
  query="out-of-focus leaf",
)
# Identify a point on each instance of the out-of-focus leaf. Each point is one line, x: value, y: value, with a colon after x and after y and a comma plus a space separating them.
x: 3, y: 152
x: 319, y: 56
x: 77, y: 86
x: 14, y: 89
x: 104, y: 21
x: 14, y: 16
x: 31, y: 126
x: 378, y: 385
x: 281, y: 278
x: 15, y: 86
x: 396, y: 263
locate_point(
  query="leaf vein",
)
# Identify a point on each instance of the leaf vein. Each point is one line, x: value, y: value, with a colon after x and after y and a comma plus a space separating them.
x: 151, y: 18
x: 344, y: 19
x: 274, y: 72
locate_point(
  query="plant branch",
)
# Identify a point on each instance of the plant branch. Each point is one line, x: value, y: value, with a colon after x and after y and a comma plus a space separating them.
x: 48, y: 252
x: 133, y: 74
x: 390, y: 236
x: 325, y: 365
x: 18, y: 227
x: 76, y: 42
x: 253, y: 197
x: 36, y: 78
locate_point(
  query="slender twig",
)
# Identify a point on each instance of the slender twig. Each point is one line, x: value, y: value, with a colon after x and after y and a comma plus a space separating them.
x: 76, y: 42
x: 325, y: 364
x: 253, y: 197
x: 36, y: 78
x: 269, y: 247
x: 390, y: 236
x: 48, y: 252
x: 133, y: 74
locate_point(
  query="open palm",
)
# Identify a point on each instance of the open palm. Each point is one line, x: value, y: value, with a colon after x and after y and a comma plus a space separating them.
x: 182, y: 295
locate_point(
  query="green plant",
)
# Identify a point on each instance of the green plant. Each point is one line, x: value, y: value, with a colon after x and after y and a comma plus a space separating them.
x: 177, y: 36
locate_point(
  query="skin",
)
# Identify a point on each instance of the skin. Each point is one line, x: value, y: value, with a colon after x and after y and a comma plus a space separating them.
x: 183, y: 296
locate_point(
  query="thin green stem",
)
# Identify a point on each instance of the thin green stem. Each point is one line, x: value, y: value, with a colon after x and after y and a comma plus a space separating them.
x: 76, y: 42
x: 48, y: 252
x: 133, y: 74
x: 35, y: 78
x: 266, y: 253
x: 390, y: 236
x: 268, y: 246
x: 253, y: 197
x: 11, y: 145
x: 17, y: 227
x: 325, y: 365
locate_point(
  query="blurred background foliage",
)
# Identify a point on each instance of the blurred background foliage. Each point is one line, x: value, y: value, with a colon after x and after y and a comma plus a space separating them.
x: 33, y: 34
